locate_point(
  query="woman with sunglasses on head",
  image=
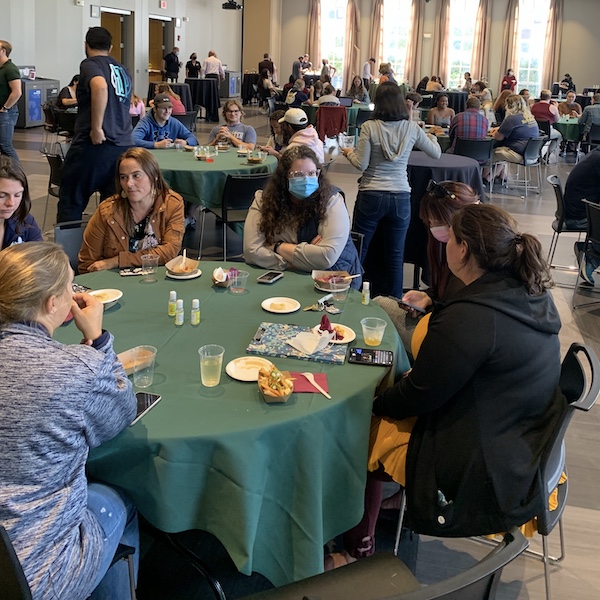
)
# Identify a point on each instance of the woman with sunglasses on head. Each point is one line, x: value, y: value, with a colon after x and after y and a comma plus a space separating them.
x: 17, y: 225
x: 383, y: 200
x: 299, y: 221
x: 436, y: 209
x: 234, y: 132
x: 464, y: 430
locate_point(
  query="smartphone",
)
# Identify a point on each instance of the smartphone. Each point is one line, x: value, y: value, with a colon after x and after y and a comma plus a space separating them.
x: 270, y: 277
x: 408, y: 306
x: 370, y: 356
x: 145, y: 401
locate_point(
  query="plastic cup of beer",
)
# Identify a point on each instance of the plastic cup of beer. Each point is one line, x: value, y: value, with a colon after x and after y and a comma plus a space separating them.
x: 143, y: 365
x: 149, y: 266
x: 211, y: 362
x: 373, y: 329
x: 238, y: 282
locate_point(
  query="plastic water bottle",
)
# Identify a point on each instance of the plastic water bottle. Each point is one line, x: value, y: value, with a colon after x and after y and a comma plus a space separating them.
x: 179, y: 313
x: 195, y: 312
x: 366, y: 293
x: 172, y: 303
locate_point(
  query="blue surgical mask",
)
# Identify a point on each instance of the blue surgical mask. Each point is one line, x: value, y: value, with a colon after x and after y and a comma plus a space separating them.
x: 303, y: 187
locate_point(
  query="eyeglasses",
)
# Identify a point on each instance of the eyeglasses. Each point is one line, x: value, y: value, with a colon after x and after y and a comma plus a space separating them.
x: 433, y: 187
x: 233, y: 111
x: 295, y: 174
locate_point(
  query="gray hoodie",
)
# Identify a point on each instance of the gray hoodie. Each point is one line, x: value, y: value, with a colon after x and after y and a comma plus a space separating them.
x: 383, y: 150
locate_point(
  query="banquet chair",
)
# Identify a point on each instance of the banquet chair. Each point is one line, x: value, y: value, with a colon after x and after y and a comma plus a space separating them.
x: 237, y: 197
x: 14, y: 585
x: 593, y: 137
x: 551, y: 144
x: 188, y: 120
x: 560, y: 224
x: 383, y: 576
x: 480, y: 150
x: 591, y: 245
x: 55, y: 161
x: 532, y: 157
x: 331, y: 121
x: 69, y: 235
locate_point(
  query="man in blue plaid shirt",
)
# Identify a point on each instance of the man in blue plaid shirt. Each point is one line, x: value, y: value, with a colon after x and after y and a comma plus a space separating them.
x: 468, y: 125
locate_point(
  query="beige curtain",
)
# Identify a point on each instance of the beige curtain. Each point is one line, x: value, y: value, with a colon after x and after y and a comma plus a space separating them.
x: 352, y: 64
x: 376, y: 33
x: 509, y: 42
x: 313, y: 33
x: 481, y: 41
x: 440, y: 40
x: 550, y: 72
x: 412, y: 67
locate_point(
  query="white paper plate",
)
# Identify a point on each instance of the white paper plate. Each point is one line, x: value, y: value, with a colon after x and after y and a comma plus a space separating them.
x: 191, y: 275
x: 245, y: 368
x: 107, y: 296
x: 283, y: 305
x: 349, y: 334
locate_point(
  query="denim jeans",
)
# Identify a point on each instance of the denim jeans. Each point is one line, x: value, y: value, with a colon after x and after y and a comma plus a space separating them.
x: 388, y: 212
x: 117, y: 517
x: 8, y: 120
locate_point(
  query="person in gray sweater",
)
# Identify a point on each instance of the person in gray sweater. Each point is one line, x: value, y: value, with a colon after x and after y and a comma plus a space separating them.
x: 58, y: 401
x: 383, y: 200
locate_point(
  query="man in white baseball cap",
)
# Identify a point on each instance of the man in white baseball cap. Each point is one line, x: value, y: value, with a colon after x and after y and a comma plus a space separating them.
x: 296, y: 131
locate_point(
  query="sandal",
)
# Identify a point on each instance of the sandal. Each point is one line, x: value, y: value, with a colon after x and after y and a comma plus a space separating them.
x: 337, y: 559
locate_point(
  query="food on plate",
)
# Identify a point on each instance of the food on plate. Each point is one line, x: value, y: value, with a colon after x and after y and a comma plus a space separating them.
x: 255, y: 159
x: 102, y: 296
x: 278, y: 305
x: 272, y: 382
x: 182, y: 269
x: 326, y: 327
x: 222, y: 277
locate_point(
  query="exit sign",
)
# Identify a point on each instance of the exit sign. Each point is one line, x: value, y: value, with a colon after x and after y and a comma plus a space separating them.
x: 162, y: 4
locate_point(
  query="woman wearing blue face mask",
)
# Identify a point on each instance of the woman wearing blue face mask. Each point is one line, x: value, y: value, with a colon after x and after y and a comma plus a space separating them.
x: 436, y: 209
x: 299, y: 221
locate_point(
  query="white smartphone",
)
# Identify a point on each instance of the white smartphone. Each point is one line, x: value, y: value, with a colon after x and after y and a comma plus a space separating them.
x: 270, y: 277
x: 145, y: 401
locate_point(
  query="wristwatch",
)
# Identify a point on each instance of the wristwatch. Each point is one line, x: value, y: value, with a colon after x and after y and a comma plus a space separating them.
x: 276, y: 247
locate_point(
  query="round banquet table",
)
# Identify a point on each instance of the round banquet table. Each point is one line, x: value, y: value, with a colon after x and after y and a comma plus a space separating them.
x: 202, y: 182
x: 273, y: 482
x: 569, y: 128
x: 422, y: 168
x: 205, y: 92
x: 456, y: 100
x: 249, y: 80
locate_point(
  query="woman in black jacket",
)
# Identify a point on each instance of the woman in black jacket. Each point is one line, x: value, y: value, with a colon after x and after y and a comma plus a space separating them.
x: 463, y: 431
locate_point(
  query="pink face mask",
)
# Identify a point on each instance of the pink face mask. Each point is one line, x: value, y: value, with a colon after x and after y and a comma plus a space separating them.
x: 441, y: 233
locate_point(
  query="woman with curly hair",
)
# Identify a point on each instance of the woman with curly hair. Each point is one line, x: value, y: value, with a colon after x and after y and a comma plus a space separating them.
x: 300, y: 221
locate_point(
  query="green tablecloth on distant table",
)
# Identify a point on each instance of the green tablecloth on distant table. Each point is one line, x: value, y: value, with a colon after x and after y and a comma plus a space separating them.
x: 272, y: 482
x: 569, y: 128
x: 201, y: 182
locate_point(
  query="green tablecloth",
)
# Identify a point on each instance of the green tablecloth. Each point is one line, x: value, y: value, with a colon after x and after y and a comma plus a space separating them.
x: 272, y: 482
x: 201, y: 182
x: 569, y: 128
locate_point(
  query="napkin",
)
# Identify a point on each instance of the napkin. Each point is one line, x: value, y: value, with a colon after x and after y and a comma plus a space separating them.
x: 301, y: 384
x: 308, y: 342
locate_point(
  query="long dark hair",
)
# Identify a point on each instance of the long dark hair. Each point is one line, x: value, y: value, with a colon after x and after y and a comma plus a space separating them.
x: 438, y: 205
x: 494, y: 242
x: 390, y: 104
x: 278, y: 212
x: 10, y: 169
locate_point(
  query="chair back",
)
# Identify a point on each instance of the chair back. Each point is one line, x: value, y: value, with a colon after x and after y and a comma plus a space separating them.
x: 554, y: 181
x: 480, y: 150
x: 135, y: 119
x: 56, y: 165
x: 238, y: 194
x: 579, y: 384
x: 331, y: 121
x: 544, y: 127
x: 358, y: 239
x: 271, y: 101
x: 362, y: 116
x: 12, y: 578
x: 593, y: 227
x: 69, y: 235
x: 188, y: 120
x: 533, y: 151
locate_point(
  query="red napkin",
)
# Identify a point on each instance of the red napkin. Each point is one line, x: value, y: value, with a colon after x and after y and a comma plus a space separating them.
x: 301, y: 384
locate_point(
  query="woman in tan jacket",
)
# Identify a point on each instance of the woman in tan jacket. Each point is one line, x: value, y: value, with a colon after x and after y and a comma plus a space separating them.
x: 145, y: 218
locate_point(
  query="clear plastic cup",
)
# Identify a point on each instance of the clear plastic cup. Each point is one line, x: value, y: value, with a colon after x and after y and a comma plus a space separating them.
x: 149, y: 266
x: 339, y: 287
x: 211, y: 363
x: 238, y: 282
x: 143, y: 365
x: 373, y: 329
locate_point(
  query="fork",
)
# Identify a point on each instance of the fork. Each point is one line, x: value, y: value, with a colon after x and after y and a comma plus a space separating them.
x: 311, y: 378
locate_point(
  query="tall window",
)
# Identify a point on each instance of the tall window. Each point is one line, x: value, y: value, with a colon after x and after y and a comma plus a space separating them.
x: 333, y: 27
x: 396, y: 28
x: 460, y: 43
x: 533, y: 18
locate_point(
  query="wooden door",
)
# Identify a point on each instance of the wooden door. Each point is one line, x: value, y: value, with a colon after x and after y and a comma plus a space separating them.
x: 113, y: 23
x: 156, y: 49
